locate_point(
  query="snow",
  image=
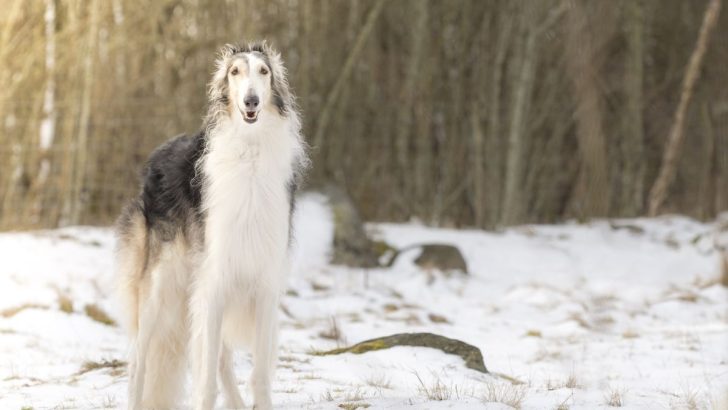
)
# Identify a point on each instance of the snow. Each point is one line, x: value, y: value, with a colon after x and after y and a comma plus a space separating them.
x: 572, y: 314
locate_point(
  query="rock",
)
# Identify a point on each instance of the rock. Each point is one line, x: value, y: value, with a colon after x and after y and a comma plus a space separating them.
x: 435, y: 256
x: 441, y: 257
x: 631, y: 228
x: 352, y: 246
x: 470, y: 354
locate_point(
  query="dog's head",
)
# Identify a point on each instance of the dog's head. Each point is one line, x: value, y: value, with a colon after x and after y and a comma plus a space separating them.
x: 249, y: 81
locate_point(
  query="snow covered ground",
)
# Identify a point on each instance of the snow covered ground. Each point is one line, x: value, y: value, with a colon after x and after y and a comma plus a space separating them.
x: 567, y: 316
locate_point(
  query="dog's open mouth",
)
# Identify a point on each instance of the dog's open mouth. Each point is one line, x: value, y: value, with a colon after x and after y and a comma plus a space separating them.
x: 250, y: 116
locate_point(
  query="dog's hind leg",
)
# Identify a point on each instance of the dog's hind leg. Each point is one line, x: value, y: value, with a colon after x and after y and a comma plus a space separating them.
x: 165, y: 370
x: 227, y: 378
x: 166, y: 348
x: 132, y: 260
x: 131, y: 388
x: 147, y: 318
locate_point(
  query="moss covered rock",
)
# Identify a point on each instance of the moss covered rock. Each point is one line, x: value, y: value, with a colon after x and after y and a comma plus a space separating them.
x: 470, y: 354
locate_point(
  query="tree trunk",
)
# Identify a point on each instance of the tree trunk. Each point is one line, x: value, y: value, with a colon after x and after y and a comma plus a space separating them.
x: 633, y: 140
x: 479, y: 200
x: 592, y: 190
x: 709, y: 178
x: 403, y: 129
x: 658, y: 193
x: 494, y: 140
x: 333, y: 96
x: 47, y: 131
x: 80, y: 164
x: 513, y: 202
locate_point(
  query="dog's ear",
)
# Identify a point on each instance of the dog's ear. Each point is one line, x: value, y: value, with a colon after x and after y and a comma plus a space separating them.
x: 281, y: 93
x: 227, y: 51
x: 217, y: 89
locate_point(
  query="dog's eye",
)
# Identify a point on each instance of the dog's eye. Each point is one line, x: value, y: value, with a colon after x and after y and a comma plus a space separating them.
x: 263, y: 70
x: 234, y: 71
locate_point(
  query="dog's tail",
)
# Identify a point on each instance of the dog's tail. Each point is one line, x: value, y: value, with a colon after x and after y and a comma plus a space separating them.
x: 132, y: 258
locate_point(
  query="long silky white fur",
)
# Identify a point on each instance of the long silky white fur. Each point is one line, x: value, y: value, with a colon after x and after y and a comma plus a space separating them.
x: 225, y: 293
x: 247, y: 169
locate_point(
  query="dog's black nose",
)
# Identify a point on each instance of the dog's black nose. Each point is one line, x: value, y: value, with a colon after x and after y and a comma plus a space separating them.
x: 251, y: 102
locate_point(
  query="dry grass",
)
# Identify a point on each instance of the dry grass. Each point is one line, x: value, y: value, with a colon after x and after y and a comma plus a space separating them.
x: 564, y: 404
x: 571, y: 382
x: 544, y: 354
x: 65, y: 304
x: 580, y: 320
x: 90, y: 366
x: 288, y: 366
x: 690, y: 402
x: 10, y: 312
x: 355, y: 395
x: 110, y: 402
x: 411, y: 319
x: 630, y: 334
x: 510, y: 379
x: 294, y: 359
x: 96, y: 313
x: 436, y: 390
x: 333, y: 333
x: 702, y: 283
x: 290, y: 390
x: 292, y: 293
x: 310, y: 376
x: 688, y: 296
x: 390, y: 307
x: 319, y: 287
x: 379, y: 382
x: 354, y: 406
x: 505, y: 393
x: 435, y: 318
x: 534, y: 333
x: 689, y: 399
x: 614, y: 397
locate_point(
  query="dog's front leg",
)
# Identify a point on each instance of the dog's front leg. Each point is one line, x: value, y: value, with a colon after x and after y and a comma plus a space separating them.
x: 227, y: 377
x: 265, y: 349
x: 207, y: 309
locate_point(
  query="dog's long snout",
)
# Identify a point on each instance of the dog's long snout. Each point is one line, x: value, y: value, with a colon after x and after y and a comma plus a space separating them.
x: 251, y: 102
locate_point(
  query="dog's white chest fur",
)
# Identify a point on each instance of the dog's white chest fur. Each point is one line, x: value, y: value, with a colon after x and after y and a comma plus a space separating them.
x: 247, y: 170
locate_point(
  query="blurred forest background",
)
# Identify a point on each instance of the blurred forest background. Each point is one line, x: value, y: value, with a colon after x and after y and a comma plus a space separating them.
x: 459, y: 113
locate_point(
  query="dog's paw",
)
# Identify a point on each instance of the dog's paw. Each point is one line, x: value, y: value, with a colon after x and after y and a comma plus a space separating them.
x: 264, y: 404
x: 235, y: 403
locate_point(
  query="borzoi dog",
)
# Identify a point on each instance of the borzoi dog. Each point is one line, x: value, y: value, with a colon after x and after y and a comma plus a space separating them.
x: 204, y: 250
